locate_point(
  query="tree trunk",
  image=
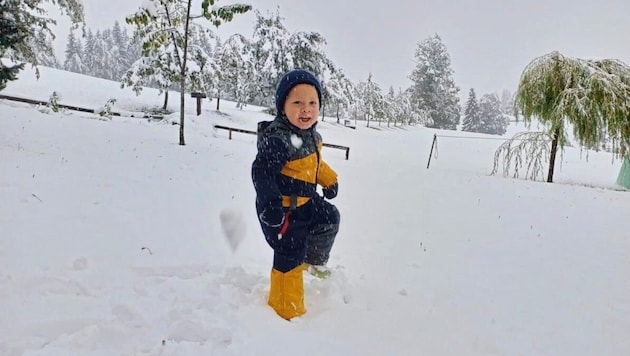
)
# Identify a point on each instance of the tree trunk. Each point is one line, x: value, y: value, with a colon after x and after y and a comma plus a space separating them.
x: 182, y: 83
x: 165, y: 100
x: 322, y: 109
x: 218, y: 99
x: 552, y: 155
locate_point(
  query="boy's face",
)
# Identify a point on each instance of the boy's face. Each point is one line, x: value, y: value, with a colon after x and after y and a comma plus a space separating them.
x: 302, y: 106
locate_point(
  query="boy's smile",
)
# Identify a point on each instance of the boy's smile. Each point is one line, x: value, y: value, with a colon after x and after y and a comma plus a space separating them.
x: 302, y: 106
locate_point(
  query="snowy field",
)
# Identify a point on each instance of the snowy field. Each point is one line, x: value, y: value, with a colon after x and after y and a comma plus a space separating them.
x: 110, y: 240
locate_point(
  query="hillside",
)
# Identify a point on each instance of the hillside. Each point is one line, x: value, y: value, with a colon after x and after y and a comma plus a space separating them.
x: 110, y: 241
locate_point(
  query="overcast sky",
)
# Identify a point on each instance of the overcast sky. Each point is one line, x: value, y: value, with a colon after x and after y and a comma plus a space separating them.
x: 490, y: 41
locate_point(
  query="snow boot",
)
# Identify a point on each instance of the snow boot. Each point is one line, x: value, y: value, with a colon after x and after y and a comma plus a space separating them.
x: 318, y: 271
x: 286, y: 294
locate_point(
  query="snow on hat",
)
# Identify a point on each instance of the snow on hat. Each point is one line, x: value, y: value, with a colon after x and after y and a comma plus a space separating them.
x: 291, y: 79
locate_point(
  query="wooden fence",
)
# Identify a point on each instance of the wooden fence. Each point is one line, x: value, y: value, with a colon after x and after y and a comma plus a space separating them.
x: 75, y: 108
x: 233, y: 129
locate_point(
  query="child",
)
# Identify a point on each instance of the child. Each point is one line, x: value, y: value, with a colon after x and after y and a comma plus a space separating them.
x: 299, y: 225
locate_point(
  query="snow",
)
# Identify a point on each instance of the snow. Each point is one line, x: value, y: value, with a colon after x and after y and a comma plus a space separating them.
x: 111, y: 240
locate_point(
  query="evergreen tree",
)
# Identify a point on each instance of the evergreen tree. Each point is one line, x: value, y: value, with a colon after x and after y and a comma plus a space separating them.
x: 25, y: 32
x: 89, y: 54
x: 493, y: 121
x: 74, y: 55
x: 119, y: 47
x: 271, y: 56
x: 390, y: 106
x: 42, y: 46
x: 103, y: 64
x: 507, y: 102
x: 472, y: 118
x: 434, y: 91
x: 307, y: 52
x: 236, y: 69
x: 408, y: 114
x: 369, y: 105
x: 338, y: 93
x: 10, y: 36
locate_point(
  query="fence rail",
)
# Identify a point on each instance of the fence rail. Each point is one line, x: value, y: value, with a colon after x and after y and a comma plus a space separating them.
x: 233, y: 129
x: 72, y: 107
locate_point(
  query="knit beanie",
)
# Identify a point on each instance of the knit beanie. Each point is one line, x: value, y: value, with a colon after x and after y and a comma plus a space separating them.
x: 291, y: 79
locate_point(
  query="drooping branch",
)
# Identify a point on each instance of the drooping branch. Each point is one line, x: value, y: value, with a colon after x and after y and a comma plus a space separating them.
x: 591, y: 96
x: 525, y: 153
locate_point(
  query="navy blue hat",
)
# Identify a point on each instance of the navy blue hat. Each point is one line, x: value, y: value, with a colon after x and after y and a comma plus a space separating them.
x: 291, y: 79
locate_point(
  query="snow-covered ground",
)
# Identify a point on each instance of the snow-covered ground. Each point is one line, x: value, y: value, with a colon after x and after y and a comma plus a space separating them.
x: 111, y: 244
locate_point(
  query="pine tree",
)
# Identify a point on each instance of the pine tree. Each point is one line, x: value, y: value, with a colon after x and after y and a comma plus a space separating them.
x: 390, y: 106
x: 74, y: 55
x: 338, y: 93
x: 307, y: 52
x: 472, y: 119
x: 119, y: 50
x: 507, y: 102
x: 25, y: 33
x: 235, y: 69
x: 271, y: 56
x: 434, y: 91
x: 492, y: 119
x: 89, y: 55
x: 369, y: 104
x: 42, y: 46
x: 10, y: 36
x: 408, y: 114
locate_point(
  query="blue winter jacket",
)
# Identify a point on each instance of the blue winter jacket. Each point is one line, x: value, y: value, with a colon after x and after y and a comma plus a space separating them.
x: 288, y: 166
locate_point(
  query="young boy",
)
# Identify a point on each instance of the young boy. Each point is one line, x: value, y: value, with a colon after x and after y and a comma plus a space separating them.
x: 299, y: 225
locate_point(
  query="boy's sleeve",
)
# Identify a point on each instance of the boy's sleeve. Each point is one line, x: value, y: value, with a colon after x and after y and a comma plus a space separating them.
x: 271, y: 157
x: 326, y: 176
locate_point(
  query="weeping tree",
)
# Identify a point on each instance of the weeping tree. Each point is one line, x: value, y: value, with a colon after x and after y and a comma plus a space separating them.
x: 589, y: 97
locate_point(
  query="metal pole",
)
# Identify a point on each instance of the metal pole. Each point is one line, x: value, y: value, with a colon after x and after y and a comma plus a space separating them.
x: 432, y: 145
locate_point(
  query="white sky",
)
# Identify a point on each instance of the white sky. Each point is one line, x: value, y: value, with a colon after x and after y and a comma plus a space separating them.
x: 490, y: 41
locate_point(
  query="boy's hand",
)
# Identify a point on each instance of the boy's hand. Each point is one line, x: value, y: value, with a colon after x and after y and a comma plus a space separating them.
x: 331, y: 191
x: 272, y: 216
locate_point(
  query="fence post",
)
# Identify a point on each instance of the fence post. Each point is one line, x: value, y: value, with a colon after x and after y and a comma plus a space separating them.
x: 432, y: 146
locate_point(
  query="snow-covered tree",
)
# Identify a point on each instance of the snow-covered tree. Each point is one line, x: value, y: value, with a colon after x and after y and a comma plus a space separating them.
x: 390, y: 109
x: 120, y: 51
x: 235, y: 69
x: 10, y: 36
x: 492, y: 119
x: 74, y: 55
x: 472, y: 118
x: 307, y: 52
x: 369, y: 104
x: 104, y: 62
x: 434, y: 90
x: 507, y: 102
x: 25, y: 31
x: 169, y: 54
x: 89, y: 57
x: 338, y: 93
x: 271, y: 56
x: 590, y: 96
x: 408, y: 114
x: 42, y: 46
